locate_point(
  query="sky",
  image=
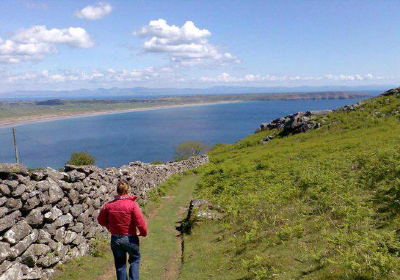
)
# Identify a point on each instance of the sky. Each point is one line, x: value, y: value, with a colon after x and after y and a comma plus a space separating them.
x: 63, y: 45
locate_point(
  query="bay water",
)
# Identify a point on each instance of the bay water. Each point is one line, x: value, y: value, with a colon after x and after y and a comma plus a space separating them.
x: 117, y: 139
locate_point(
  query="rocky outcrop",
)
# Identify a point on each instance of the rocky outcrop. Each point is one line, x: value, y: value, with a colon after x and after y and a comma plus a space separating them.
x: 203, y: 209
x: 48, y: 217
x: 199, y: 209
x: 394, y: 91
x: 305, y: 121
x: 294, y: 123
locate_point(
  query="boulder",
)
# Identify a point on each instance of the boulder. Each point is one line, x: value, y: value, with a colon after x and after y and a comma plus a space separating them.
x: 61, y: 250
x: 3, y: 200
x: 13, y: 273
x: 17, y: 232
x: 53, y: 214
x: 31, y: 203
x: 20, y: 189
x: 34, y: 252
x: 78, y: 227
x: 12, y: 168
x: 64, y: 220
x: 4, y: 189
x: 13, y: 203
x: 37, y: 175
x: 13, y: 184
x: 76, y: 209
x: 69, y: 237
x: 44, y: 237
x: 3, y: 211
x: 31, y: 273
x: 60, y: 234
x: 75, y: 176
x: 55, y: 192
x: 4, y: 266
x: 35, y: 217
x: 4, y: 251
x: 10, y: 220
x: 18, y: 249
x: 48, y: 261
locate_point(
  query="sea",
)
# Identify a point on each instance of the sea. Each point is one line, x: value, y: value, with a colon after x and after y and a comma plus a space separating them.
x: 120, y: 138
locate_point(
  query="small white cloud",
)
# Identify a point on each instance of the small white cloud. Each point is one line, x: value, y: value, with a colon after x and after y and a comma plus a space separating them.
x: 226, y: 78
x: 187, y: 45
x: 36, y: 42
x: 94, y: 12
x: 137, y: 75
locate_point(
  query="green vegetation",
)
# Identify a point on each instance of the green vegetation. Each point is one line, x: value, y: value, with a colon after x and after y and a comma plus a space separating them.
x: 81, y: 158
x: 161, y: 255
x: 189, y: 149
x: 157, y: 162
x: 317, y: 205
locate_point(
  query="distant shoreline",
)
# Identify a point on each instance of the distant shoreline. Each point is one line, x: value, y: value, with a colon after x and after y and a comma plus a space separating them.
x: 10, y: 122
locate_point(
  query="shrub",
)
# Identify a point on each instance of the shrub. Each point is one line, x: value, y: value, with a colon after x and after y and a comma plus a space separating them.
x: 157, y: 162
x: 82, y: 158
x: 189, y: 149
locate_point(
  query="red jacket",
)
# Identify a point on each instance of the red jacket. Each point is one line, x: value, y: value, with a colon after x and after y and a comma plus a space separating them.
x: 122, y: 216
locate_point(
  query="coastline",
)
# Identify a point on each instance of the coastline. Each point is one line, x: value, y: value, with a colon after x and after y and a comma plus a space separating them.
x: 54, y: 117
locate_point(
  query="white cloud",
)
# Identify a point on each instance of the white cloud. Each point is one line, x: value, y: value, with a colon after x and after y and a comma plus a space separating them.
x: 95, y: 12
x: 36, y: 42
x: 110, y: 76
x: 165, y: 76
x: 187, y: 45
x: 226, y: 78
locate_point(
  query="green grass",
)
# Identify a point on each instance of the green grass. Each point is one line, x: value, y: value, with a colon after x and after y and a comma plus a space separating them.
x: 318, y: 205
x: 161, y: 248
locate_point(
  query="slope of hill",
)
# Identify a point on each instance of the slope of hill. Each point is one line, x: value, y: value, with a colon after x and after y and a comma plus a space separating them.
x: 317, y: 205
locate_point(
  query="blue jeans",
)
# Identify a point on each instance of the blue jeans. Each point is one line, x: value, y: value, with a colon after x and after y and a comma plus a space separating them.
x: 120, y: 246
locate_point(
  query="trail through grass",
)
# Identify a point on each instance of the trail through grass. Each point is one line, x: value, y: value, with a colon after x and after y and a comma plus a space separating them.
x: 161, y: 249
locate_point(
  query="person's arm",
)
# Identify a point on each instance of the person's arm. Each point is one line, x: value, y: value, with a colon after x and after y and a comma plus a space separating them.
x: 139, y: 220
x: 103, y: 217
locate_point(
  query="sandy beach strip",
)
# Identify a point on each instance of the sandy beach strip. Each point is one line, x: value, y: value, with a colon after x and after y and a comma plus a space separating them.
x: 10, y: 122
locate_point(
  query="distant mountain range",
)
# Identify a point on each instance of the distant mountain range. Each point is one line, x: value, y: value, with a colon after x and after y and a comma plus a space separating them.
x: 145, y: 91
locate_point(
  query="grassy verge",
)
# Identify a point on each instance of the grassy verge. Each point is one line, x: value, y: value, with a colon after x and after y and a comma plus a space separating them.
x: 209, y: 256
x: 318, y: 205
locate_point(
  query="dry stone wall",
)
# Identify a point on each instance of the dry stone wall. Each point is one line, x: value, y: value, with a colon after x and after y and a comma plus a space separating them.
x: 48, y: 217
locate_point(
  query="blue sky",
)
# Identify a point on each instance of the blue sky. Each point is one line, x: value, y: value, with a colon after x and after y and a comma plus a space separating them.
x: 89, y: 44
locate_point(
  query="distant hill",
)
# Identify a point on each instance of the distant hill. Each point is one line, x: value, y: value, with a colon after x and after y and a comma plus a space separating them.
x: 145, y: 91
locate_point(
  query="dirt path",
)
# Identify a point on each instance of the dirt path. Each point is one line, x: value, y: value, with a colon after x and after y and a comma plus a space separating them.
x: 161, y: 249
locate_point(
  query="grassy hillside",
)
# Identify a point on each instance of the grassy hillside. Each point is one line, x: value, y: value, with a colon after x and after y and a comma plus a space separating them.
x: 317, y: 205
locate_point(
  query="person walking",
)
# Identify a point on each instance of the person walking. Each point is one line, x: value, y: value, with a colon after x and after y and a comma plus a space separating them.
x: 124, y: 220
